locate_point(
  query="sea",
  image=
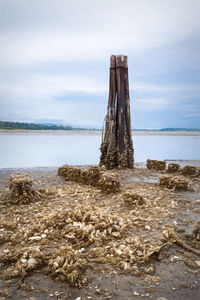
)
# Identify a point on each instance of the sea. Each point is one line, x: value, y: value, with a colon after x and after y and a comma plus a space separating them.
x: 55, y: 148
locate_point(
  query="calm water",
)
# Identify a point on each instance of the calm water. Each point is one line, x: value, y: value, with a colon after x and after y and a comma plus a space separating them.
x: 54, y: 149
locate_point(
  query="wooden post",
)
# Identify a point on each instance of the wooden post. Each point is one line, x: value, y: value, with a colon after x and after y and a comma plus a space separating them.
x: 117, y: 146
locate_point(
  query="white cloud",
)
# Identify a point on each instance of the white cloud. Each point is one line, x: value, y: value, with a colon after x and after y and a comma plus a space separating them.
x: 50, y: 85
x: 165, y: 88
x: 193, y: 115
x: 37, y: 109
x: 38, y: 36
x: 115, y: 26
x: 151, y: 104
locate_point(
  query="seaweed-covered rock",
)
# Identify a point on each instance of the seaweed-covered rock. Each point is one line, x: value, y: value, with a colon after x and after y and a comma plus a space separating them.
x: 159, y: 165
x: 21, y: 191
x: 109, y: 183
x: 190, y: 170
x: 176, y: 183
x: 62, y: 171
x: 84, y: 178
x: 25, y: 260
x: 131, y: 198
x: 70, y: 172
x: 94, y: 175
x: 172, y: 168
x: 68, y: 265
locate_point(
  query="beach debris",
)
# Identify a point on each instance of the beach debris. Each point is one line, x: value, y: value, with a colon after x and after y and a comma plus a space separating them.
x: 78, y: 227
x: 94, y: 176
x: 70, y: 172
x: 175, y: 183
x: 90, y: 234
x: 159, y: 165
x: 170, y: 235
x: 68, y: 265
x: 190, y: 170
x: 109, y: 183
x: 25, y: 259
x: 21, y: 190
x: 172, y: 168
x: 130, y: 198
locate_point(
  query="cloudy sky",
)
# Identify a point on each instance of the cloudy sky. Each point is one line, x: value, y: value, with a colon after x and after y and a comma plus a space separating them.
x: 54, y: 60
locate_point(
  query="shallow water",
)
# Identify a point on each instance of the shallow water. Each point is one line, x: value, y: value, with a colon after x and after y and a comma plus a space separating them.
x: 34, y: 149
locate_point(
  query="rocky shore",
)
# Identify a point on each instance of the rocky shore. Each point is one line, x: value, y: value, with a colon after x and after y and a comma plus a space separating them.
x: 75, y: 241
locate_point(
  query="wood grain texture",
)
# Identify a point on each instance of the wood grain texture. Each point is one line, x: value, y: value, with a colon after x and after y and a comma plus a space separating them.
x: 117, y: 146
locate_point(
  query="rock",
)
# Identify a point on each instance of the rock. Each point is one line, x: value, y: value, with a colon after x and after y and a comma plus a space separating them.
x: 172, y: 168
x: 93, y: 175
x: 107, y: 182
x: 35, y: 238
x: 31, y: 263
x: 190, y: 170
x: 159, y: 165
x: 21, y: 190
x: 43, y: 236
x: 176, y: 183
x: 131, y: 198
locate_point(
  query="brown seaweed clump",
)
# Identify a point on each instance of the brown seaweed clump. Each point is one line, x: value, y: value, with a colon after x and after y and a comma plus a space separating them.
x: 107, y: 182
x: 68, y: 265
x: 131, y: 198
x: 21, y: 190
x: 159, y: 165
x: 70, y: 172
x: 175, y: 183
x: 24, y: 259
x: 93, y: 175
x: 172, y: 168
x: 190, y: 170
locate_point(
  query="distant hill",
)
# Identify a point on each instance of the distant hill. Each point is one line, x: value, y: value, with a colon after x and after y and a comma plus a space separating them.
x: 179, y: 129
x: 169, y: 129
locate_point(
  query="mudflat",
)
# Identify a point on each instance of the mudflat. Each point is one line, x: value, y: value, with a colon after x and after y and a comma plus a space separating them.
x: 76, y: 242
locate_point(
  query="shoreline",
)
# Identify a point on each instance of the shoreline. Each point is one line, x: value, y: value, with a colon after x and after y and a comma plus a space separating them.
x: 99, y: 132
x: 137, y: 165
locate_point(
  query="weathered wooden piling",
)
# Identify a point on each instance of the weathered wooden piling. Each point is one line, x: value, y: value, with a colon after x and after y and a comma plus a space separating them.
x: 117, y: 146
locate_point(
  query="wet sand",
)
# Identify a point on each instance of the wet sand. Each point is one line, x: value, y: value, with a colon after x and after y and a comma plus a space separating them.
x: 99, y: 132
x: 173, y: 272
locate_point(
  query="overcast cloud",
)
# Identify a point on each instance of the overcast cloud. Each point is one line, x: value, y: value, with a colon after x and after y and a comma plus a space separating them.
x: 54, y: 60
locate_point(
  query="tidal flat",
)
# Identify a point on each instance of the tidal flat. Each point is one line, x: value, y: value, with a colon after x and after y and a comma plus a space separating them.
x: 79, y: 243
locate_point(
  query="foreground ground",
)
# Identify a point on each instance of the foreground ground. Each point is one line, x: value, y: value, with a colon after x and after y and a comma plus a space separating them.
x: 114, y: 250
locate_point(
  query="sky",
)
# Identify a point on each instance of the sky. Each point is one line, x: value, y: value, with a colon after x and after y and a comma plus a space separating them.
x: 55, y: 56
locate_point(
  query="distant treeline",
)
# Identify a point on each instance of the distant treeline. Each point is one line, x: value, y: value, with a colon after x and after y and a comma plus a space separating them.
x: 30, y: 126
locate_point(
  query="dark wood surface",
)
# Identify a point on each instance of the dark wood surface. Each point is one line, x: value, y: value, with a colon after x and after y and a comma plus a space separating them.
x: 117, y: 145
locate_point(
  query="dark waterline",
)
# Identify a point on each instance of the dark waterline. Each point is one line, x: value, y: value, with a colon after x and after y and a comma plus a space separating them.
x: 24, y: 149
